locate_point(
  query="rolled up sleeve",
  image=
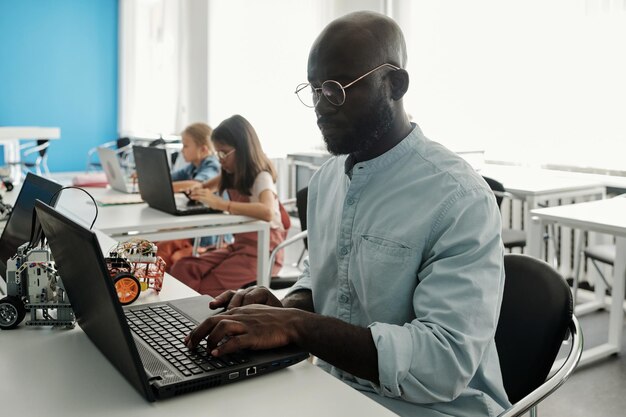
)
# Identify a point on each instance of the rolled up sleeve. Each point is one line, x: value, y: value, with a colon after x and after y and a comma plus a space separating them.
x: 457, y: 302
x: 304, y: 281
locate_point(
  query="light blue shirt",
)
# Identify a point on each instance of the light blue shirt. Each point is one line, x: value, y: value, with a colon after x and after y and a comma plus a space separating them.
x: 209, y: 168
x: 409, y: 245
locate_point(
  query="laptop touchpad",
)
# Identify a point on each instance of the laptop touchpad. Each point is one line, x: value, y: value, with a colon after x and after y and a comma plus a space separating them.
x: 196, y: 307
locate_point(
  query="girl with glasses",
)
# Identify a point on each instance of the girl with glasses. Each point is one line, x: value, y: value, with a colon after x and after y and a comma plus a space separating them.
x: 249, y: 177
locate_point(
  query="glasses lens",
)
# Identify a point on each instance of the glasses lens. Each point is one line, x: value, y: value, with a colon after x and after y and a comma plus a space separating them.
x: 334, y: 93
x: 307, y: 95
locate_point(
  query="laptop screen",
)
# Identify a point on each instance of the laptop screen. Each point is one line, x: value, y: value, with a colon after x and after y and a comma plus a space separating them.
x: 155, y: 181
x: 79, y: 260
x: 18, y: 226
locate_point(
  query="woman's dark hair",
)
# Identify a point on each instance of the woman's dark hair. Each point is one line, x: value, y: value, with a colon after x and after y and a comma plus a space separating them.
x: 250, y: 160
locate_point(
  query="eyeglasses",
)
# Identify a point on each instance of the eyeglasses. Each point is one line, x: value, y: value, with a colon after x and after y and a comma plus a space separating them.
x: 224, y: 155
x: 334, y: 92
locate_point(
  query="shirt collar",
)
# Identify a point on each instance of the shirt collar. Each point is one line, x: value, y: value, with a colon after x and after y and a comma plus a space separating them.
x: 388, y: 158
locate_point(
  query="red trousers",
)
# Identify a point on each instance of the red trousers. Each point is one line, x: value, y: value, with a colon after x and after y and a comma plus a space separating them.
x: 219, y: 270
x: 232, y: 267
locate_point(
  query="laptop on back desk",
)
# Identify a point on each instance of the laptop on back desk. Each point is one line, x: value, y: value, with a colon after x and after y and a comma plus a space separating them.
x: 117, y: 178
x: 155, y: 184
x: 144, y: 342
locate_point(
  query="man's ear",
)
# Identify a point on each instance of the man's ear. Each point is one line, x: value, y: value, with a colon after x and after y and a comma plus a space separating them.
x: 399, y: 83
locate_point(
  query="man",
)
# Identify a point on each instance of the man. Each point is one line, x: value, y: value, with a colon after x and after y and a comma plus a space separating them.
x: 401, y: 293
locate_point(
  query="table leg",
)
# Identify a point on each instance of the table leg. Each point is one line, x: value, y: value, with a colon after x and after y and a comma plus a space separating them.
x: 616, y: 320
x: 535, y: 241
x: 12, y: 154
x: 599, y: 301
x: 616, y: 315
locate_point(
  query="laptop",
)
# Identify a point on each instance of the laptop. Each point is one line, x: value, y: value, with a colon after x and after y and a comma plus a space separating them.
x: 18, y: 226
x: 145, y: 342
x: 118, y: 180
x: 155, y: 184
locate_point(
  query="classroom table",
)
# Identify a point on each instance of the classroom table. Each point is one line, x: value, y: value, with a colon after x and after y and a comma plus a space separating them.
x: 126, y: 221
x: 60, y: 373
x: 10, y: 137
x: 602, y: 216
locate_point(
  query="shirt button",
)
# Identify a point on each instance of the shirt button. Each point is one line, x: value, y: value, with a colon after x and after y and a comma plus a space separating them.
x: 344, y: 251
x: 351, y: 201
x: 343, y: 298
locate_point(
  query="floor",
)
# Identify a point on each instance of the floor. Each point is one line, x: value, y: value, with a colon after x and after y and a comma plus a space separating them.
x: 595, y: 390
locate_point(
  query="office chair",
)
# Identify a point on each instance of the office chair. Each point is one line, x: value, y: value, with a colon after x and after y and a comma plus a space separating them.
x: 512, y: 238
x: 121, y: 144
x: 33, y: 157
x: 535, y: 318
x: 283, y: 279
x: 172, y: 146
x: 604, y: 254
x: 286, y: 279
x: 601, y: 253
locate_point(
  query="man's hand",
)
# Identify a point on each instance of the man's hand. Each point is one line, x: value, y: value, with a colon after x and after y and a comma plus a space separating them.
x: 252, y: 295
x: 250, y: 327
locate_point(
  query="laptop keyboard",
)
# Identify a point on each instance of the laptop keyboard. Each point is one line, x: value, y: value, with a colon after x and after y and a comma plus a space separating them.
x: 164, y: 329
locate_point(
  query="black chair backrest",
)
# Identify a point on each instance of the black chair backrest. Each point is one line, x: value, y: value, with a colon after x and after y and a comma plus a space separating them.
x: 301, y: 203
x: 123, y: 141
x: 156, y: 142
x: 495, y: 186
x: 43, y: 150
x: 534, y: 318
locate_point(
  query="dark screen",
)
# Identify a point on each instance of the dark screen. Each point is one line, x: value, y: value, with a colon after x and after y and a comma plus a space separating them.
x: 78, y: 258
x: 17, y: 230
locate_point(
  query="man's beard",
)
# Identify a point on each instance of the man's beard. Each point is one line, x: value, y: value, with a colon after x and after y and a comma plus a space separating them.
x: 366, y: 132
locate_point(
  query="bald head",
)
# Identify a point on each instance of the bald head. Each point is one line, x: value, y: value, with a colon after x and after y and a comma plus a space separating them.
x: 364, y: 39
x: 352, y: 70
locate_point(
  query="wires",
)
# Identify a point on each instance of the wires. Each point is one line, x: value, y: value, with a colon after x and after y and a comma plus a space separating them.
x: 36, y: 231
x: 53, y: 200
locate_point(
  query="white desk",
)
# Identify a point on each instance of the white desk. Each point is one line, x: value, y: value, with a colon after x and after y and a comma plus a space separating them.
x: 126, y: 221
x: 10, y: 138
x: 602, y: 216
x: 60, y: 373
x: 536, y: 185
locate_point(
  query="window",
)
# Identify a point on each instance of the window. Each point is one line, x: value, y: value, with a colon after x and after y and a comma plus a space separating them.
x: 258, y: 54
x: 532, y: 82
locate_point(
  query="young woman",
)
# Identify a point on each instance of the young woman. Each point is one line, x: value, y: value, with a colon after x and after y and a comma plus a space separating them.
x: 250, y: 179
x: 203, y: 165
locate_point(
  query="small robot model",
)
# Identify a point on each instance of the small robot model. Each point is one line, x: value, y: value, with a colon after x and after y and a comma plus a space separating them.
x: 34, y: 285
x: 134, y: 267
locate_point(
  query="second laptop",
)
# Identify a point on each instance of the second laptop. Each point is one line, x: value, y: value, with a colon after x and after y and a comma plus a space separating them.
x: 155, y: 183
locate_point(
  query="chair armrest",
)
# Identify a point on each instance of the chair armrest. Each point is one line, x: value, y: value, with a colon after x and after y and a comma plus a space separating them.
x: 556, y: 380
x: 288, y: 201
x: 503, y: 194
x: 286, y: 242
x: 109, y: 144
